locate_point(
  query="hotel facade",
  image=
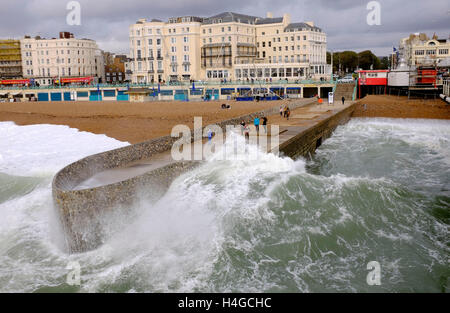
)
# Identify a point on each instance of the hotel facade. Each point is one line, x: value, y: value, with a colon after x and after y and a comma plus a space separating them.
x: 10, y: 59
x: 418, y: 49
x: 228, y: 46
x: 65, y: 57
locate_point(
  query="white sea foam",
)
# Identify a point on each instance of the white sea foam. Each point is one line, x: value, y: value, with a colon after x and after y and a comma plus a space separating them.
x: 44, y: 149
x: 30, y: 234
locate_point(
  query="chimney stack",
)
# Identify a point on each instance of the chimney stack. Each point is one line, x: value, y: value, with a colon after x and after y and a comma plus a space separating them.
x: 269, y: 15
x: 286, y: 19
x: 65, y: 35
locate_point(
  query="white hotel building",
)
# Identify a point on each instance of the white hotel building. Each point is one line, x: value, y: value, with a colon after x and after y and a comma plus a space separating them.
x: 65, y: 57
x: 227, y: 46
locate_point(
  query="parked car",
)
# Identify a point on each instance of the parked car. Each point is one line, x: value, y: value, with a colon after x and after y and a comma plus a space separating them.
x: 346, y: 79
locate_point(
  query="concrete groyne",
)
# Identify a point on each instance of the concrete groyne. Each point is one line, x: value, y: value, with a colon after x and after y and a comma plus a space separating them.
x: 82, y: 211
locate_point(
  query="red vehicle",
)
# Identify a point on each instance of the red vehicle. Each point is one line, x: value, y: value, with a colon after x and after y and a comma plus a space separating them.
x: 11, y: 82
x: 77, y: 80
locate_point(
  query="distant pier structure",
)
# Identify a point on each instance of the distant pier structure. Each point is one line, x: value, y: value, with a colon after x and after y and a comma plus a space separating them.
x: 422, y: 81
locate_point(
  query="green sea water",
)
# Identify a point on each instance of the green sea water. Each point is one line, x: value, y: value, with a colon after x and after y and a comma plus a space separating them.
x: 378, y: 190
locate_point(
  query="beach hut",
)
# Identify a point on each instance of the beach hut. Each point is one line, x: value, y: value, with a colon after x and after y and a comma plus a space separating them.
x: 139, y: 94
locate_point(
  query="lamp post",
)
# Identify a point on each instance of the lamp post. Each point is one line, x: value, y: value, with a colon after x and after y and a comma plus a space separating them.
x: 59, y: 73
x: 332, y: 74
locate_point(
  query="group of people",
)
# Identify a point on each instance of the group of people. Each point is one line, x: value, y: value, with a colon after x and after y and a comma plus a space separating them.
x: 245, y: 128
x: 285, y: 112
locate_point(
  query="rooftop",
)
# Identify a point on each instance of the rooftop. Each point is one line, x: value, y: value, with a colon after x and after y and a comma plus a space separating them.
x: 300, y: 26
x: 262, y: 21
x: 228, y: 17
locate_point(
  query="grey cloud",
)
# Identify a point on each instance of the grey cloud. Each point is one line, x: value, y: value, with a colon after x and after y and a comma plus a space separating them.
x: 344, y: 21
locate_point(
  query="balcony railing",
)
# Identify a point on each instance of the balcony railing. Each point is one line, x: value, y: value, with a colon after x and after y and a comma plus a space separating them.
x: 216, y: 54
x: 246, y: 54
x: 217, y: 65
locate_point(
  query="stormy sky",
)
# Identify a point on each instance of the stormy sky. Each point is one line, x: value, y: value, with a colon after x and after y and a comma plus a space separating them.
x: 345, y: 21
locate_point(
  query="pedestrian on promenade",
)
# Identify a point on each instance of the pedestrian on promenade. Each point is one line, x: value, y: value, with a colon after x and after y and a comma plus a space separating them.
x: 264, y: 124
x: 343, y: 100
x: 256, y: 122
x: 242, y: 127
x: 247, y: 133
x: 210, y: 135
x: 281, y: 110
x: 288, y: 113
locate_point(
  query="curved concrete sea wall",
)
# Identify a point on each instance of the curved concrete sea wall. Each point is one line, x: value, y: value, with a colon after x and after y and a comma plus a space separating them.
x: 306, y: 142
x: 83, y: 212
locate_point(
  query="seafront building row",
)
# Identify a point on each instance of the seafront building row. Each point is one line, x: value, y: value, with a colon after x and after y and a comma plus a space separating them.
x: 46, y: 61
x: 227, y: 46
x: 66, y: 56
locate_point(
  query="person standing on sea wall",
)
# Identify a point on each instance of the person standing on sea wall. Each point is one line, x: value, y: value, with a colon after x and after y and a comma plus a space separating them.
x: 343, y: 100
x: 242, y: 127
x: 210, y: 135
x: 247, y: 133
x: 256, y: 122
x: 264, y: 123
x: 285, y: 111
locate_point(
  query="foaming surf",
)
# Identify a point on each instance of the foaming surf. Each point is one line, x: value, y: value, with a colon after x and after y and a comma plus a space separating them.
x: 376, y: 191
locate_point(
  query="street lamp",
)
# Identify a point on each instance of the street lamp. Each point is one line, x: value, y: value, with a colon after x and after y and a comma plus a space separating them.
x: 332, y: 74
x: 59, y: 73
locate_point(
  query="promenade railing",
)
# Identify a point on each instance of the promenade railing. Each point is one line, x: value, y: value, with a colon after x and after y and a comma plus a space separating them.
x: 176, y: 84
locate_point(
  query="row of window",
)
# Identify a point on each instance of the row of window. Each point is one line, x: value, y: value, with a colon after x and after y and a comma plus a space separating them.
x: 286, y: 48
x: 210, y: 40
x: 271, y: 72
x: 158, y: 41
x: 150, y: 53
x: 59, y: 61
x: 186, y: 67
x: 174, y: 49
x: 158, y: 31
x: 229, y: 29
x: 286, y: 39
x: 431, y: 52
x: 187, y: 29
x: 139, y: 66
x: 63, y: 71
x: 174, y: 68
x: 239, y: 39
x: 174, y: 58
x: 217, y: 74
x: 174, y: 30
x: 277, y: 72
x: 28, y: 46
x: 29, y: 53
